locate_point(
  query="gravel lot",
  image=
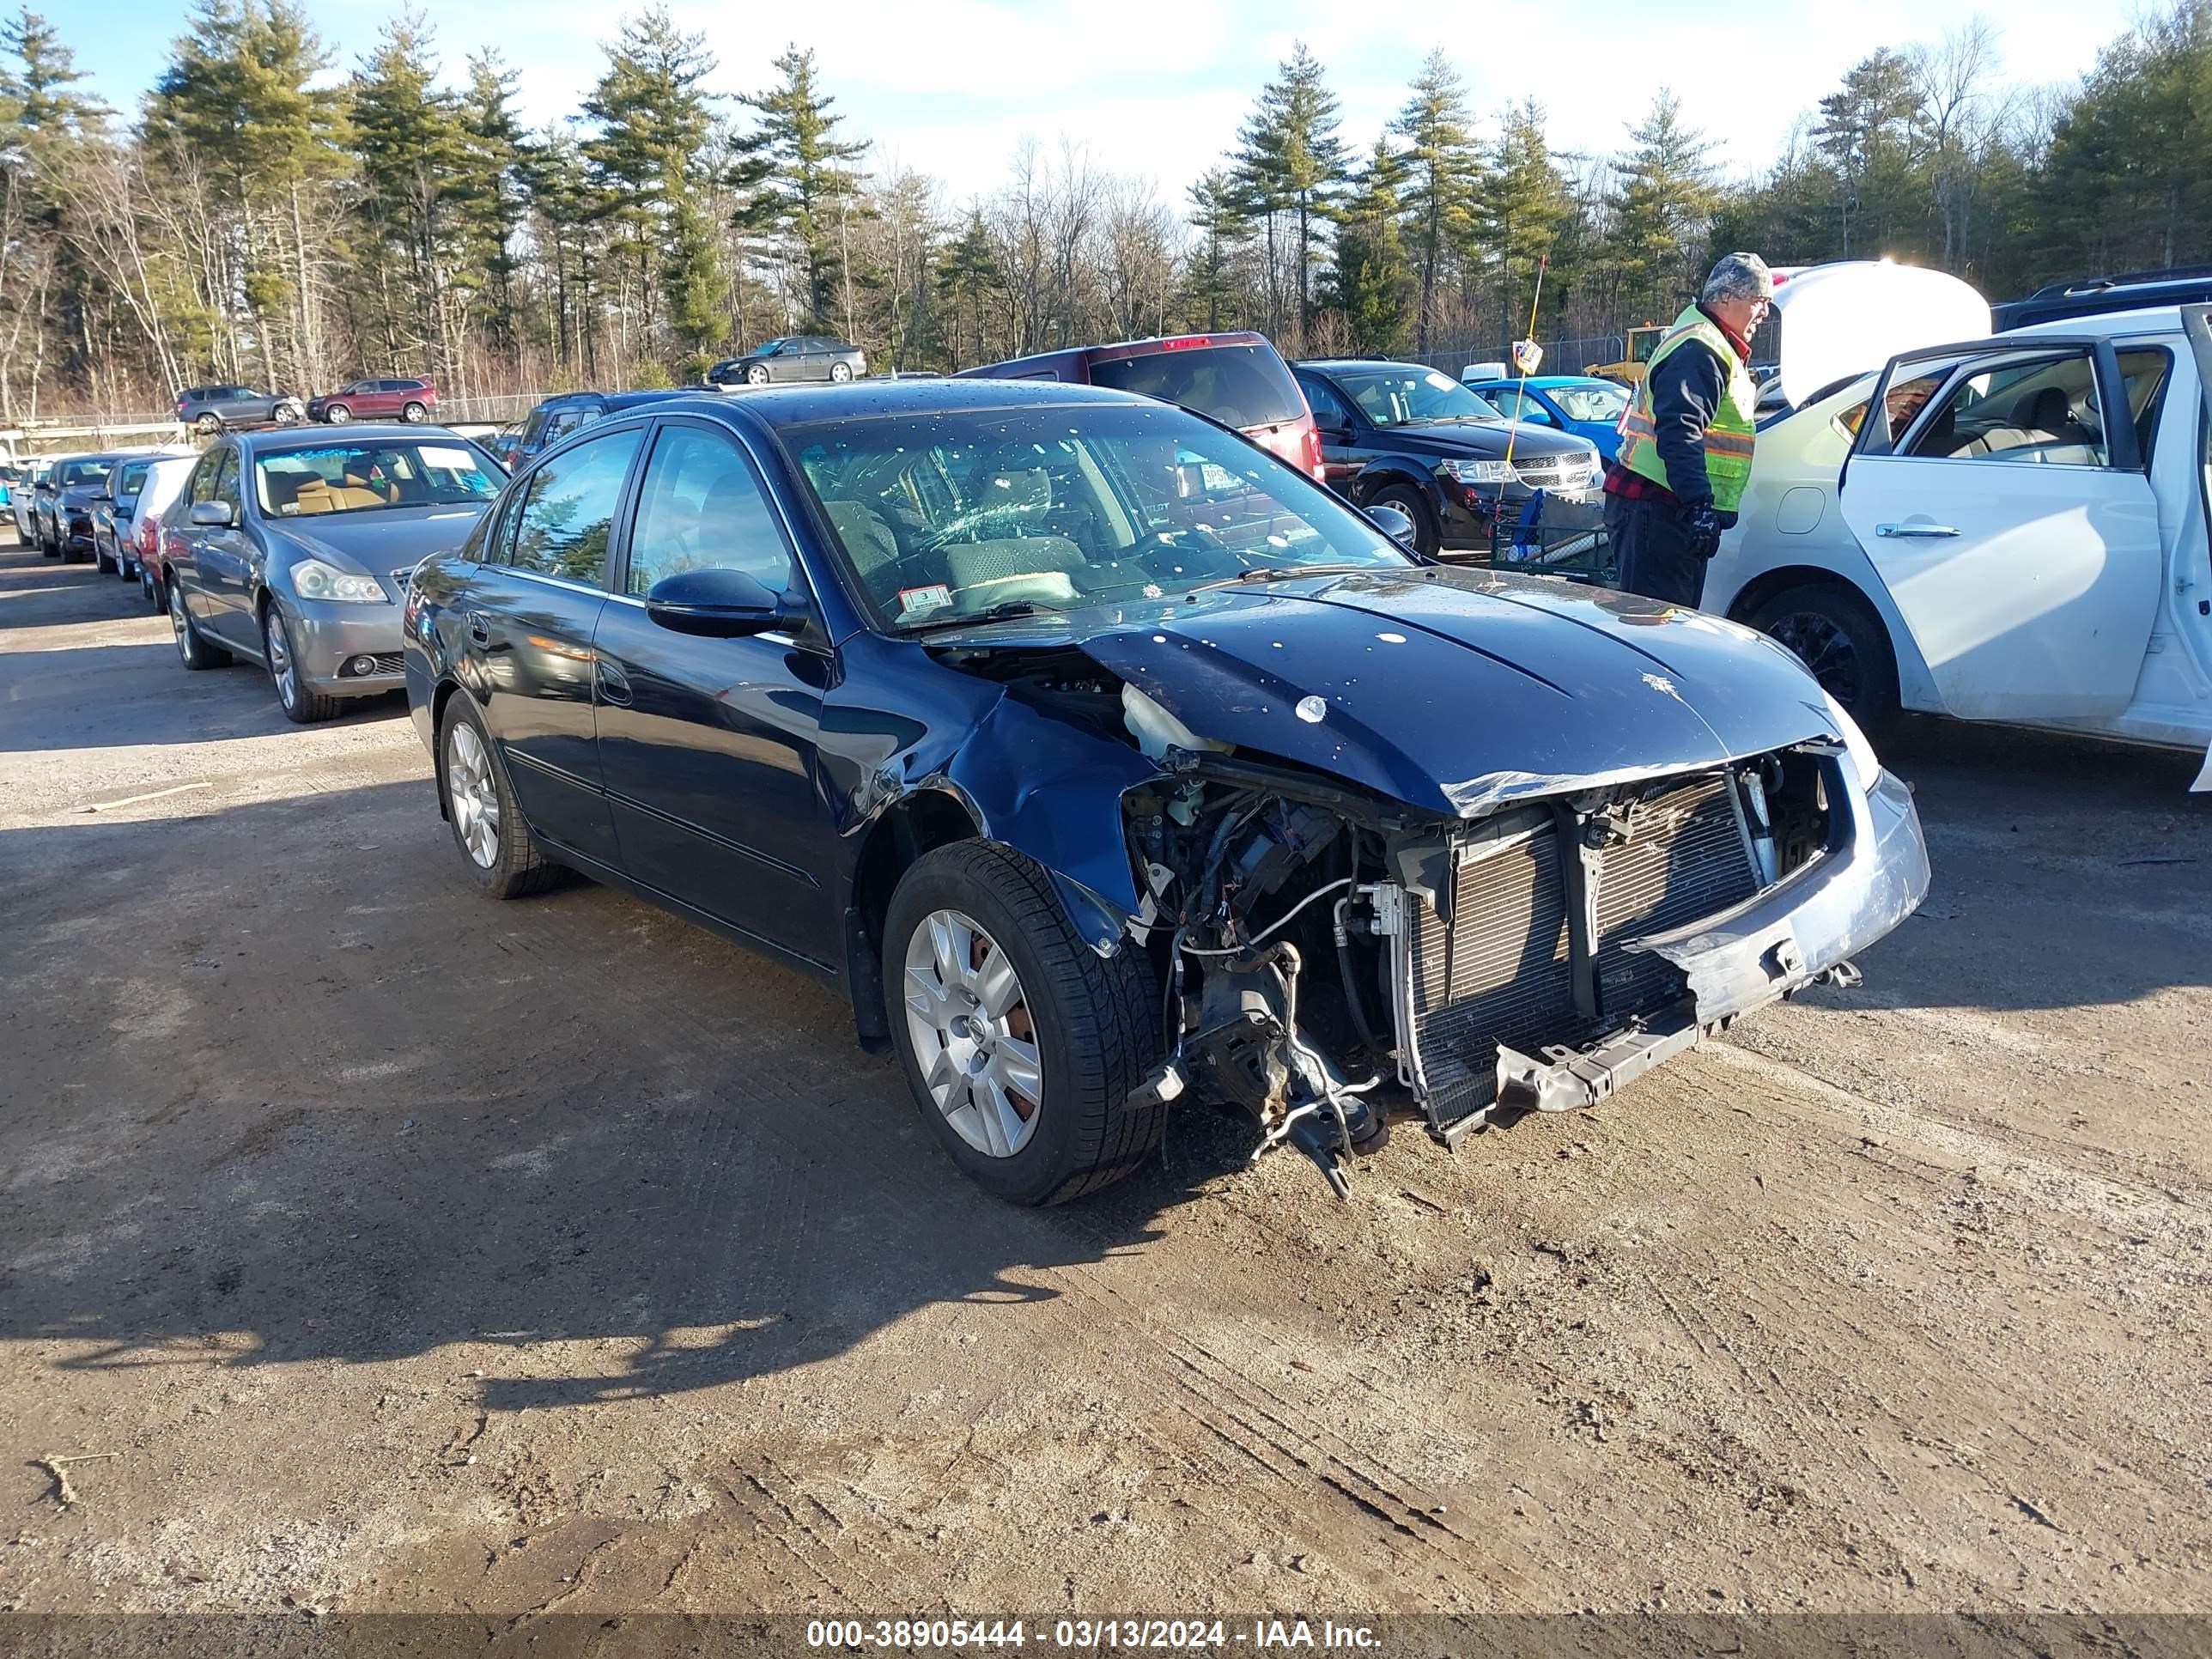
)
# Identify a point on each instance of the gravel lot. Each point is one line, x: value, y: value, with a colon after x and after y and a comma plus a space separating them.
x: 409, y: 1252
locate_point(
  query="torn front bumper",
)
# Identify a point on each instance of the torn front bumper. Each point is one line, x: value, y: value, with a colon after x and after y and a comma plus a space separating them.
x: 1799, y: 930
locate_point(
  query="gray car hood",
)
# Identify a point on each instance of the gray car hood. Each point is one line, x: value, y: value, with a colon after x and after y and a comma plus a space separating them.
x: 377, y: 540
x: 1455, y: 691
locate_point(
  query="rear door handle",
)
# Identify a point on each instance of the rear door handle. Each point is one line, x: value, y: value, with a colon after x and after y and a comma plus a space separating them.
x: 1909, y: 532
x: 479, y: 630
x: 614, y: 685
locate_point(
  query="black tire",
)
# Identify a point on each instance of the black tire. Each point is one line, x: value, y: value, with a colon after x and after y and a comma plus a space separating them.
x: 517, y: 867
x: 337, y: 415
x: 99, y: 565
x: 208, y: 423
x: 1095, y: 1020
x: 150, y: 588
x: 414, y: 414
x: 1409, y: 501
x: 758, y: 374
x: 195, y: 651
x: 1837, y: 635
x: 48, y: 547
x: 301, y: 706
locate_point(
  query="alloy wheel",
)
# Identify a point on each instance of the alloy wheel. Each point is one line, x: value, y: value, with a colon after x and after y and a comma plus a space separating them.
x: 281, y: 669
x: 840, y: 373
x: 472, y: 794
x: 974, y: 1038
x: 1825, y: 649
x: 180, y: 624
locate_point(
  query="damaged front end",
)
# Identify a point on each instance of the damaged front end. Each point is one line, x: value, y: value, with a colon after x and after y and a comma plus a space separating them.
x: 1331, y: 958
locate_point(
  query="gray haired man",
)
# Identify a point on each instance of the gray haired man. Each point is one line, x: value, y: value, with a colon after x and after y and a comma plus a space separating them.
x: 1686, y: 438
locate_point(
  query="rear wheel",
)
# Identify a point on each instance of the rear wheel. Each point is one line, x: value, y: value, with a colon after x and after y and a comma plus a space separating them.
x: 208, y: 424
x: 150, y: 587
x: 1837, y: 635
x: 495, y: 844
x: 195, y: 651
x: 414, y: 414
x: 1021, y: 1043
x: 1409, y: 501
x: 840, y: 373
x: 302, y: 705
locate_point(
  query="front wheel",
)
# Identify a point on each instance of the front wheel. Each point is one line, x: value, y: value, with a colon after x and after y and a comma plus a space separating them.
x: 415, y: 413
x: 1409, y: 501
x: 195, y: 651
x: 495, y: 844
x: 302, y: 705
x: 150, y: 587
x: 1021, y: 1045
x: 337, y: 415
x: 1837, y: 635
x: 756, y: 375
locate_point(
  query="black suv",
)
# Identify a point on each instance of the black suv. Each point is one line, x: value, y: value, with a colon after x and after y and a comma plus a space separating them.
x: 556, y: 418
x: 1403, y: 435
x: 2132, y: 291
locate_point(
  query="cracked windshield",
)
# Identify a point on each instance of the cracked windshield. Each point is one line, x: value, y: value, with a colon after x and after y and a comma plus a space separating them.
x: 950, y: 518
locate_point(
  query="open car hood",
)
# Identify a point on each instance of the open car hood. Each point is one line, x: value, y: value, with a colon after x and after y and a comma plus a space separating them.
x: 1852, y: 317
x: 1454, y: 691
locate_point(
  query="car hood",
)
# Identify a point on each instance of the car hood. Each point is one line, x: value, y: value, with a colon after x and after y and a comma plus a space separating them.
x: 377, y: 541
x: 1486, y: 439
x: 79, y: 495
x: 1454, y: 691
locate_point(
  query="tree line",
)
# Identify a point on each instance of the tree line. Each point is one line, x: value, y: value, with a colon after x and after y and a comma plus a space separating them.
x: 257, y: 220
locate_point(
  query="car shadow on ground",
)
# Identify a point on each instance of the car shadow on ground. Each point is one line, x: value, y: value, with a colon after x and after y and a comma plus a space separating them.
x: 348, y: 1110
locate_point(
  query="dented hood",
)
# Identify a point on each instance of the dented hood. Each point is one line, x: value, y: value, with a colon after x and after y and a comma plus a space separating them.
x: 1455, y: 691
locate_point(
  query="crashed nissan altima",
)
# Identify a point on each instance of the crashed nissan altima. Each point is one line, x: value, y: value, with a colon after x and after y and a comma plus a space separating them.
x: 1108, y: 764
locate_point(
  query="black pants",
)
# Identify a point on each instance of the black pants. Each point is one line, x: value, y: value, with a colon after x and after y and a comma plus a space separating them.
x: 1651, y: 550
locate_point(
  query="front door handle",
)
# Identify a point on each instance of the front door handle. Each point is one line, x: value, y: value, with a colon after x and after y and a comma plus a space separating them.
x: 614, y: 685
x: 1909, y: 532
x: 479, y: 630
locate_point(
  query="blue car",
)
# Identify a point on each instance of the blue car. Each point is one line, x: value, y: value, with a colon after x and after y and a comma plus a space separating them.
x: 1104, y: 760
x: 1581, y: 404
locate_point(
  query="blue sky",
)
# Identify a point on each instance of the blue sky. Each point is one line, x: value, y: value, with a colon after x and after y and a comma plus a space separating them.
x: 1157, y: 87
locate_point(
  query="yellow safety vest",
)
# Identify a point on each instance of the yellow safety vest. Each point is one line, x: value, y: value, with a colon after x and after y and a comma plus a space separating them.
x: 1727, y: 439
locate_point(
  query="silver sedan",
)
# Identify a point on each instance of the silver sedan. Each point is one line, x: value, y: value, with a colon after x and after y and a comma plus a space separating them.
x: 293, y: 550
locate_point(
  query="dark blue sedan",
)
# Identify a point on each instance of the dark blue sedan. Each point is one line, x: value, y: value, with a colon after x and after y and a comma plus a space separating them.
x: 1103, y: 760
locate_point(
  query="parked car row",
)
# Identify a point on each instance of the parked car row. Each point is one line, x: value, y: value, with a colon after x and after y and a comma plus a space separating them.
x: 208, y: 410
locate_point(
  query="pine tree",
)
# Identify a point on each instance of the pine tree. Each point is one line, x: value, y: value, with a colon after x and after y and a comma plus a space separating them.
x: 1524, y: 206
x: 1290, y: 159
x: 413, y: 150
x: 1218, y: 213
x: 810, y: 178
x: 968, y: 276
x: 1373, y: 281
x: 646, y: 159
x: 491, y: 195
x: 1441, y: 166
x: 1865, y: 132
x: 1666, y: 201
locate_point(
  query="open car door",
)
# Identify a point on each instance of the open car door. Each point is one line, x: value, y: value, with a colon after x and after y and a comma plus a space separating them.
x: 1999, y: 490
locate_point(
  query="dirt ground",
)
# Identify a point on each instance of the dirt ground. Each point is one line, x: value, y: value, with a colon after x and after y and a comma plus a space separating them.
x: 386, y: 1248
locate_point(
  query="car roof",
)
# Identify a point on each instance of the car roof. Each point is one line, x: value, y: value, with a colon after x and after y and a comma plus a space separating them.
x: 801, y: 405
x: 1329, y: 365
x: 1540, y: 381
x: 2149, y: 319
x: 289, y: 439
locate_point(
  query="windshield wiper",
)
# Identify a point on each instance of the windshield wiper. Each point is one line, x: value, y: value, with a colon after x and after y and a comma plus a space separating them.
x: 1005, y: 611
x: 1281, y: 573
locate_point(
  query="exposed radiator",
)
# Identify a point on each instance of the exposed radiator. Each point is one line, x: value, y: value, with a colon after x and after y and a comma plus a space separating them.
x: 1499, y: 969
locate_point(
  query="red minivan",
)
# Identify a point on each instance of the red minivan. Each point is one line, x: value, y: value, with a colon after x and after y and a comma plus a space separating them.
x: 1239, y: 379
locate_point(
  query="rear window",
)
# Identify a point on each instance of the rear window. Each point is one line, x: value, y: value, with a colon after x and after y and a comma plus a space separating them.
x: 1240, y: 386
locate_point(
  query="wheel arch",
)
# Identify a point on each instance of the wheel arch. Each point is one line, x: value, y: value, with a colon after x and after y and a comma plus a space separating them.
x: 892, y: 841
x: 1916, y: 686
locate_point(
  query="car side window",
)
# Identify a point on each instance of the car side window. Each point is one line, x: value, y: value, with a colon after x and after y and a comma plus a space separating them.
x: 226, y: 483
x: 701, y: 508
x: 2038, y: 413
x: 1329, y: 409
x: 201, y: 487
x: 569, y: 514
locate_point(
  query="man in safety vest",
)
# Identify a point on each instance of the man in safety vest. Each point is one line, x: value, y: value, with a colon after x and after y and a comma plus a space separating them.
x: 1686, y: 438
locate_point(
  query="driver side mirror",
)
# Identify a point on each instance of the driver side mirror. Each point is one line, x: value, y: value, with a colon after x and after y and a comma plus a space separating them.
x: 1394, y: 522
x: 721, y: 603
x: 1532, y: 416
x: 211, y: 515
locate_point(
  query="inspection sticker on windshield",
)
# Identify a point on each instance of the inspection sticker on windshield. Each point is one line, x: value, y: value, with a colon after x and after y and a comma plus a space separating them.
x: 920, y: 601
